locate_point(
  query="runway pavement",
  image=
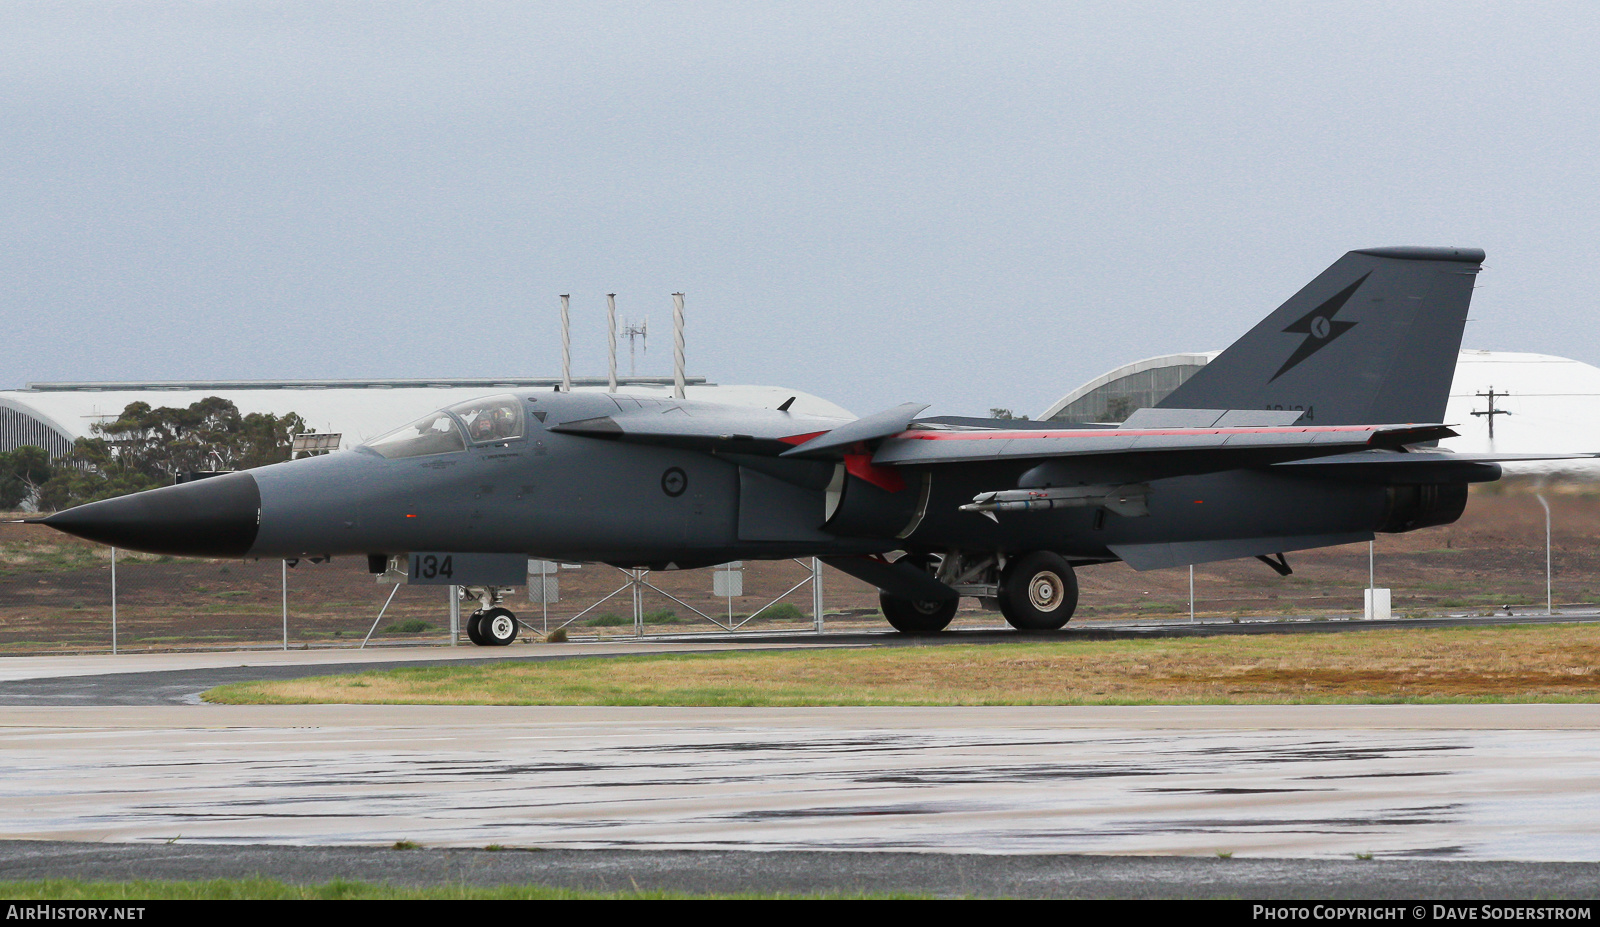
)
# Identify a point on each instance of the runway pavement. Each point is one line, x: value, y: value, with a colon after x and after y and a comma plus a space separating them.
x: 619, y: 789
x: 1478, y: 782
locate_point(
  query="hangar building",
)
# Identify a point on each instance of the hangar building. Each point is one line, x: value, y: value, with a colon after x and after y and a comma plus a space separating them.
x: 1500, y: 402
x: 54, y: 415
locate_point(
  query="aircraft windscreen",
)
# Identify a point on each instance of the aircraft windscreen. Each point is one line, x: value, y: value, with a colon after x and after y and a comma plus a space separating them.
x: 494, y: 418
x: 434, y: 433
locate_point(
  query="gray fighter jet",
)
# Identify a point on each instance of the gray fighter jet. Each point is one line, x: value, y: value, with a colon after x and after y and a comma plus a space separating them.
x: 1316, y: 428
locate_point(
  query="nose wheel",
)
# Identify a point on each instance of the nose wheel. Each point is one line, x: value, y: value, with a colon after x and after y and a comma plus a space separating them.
x: 495, y: 627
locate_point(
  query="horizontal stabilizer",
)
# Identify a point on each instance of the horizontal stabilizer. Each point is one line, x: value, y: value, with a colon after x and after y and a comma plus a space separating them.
x: 1423, y: 457
x: 1183, y: 553
x: 1429, y: 466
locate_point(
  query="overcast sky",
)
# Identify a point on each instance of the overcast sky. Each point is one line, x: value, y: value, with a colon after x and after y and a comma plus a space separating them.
x: 969, y: 205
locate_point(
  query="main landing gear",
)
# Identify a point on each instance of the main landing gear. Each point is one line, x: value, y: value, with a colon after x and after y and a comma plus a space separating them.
x: 1038, y: 592
x: 1035, y: 591
x: 490, y: 625
x: 913, y: 616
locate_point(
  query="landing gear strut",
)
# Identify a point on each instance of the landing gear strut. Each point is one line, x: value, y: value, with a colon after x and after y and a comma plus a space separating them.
x: 490, y: 625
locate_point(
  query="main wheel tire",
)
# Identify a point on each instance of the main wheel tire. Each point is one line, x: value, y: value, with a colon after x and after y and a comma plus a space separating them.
x: 497, y: 627
x: 917, y: 616
x: 474, y: 632
x: 1038, y: 592
x: 911, y: 616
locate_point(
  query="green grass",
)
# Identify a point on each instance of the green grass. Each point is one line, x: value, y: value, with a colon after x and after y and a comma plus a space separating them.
x: 1496, y: 664
x: 783, y: 611
x: 333, y: 890
x: 614, y: 620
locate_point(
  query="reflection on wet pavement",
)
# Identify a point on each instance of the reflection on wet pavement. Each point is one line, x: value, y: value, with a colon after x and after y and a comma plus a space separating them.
x: 823, y: 779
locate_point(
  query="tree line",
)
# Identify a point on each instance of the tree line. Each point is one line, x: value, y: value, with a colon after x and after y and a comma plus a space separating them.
x: 144, y: 448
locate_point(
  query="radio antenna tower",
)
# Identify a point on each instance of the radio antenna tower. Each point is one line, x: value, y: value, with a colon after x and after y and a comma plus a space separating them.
x: 639, y: 332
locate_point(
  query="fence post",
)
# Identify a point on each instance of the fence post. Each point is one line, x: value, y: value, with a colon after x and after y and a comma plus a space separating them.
x: 638, y: 603
x: 113, y: 601
x: 455, y: 615
x: 1549, y: 600
x: 285, y: 564
x: 816, y: 593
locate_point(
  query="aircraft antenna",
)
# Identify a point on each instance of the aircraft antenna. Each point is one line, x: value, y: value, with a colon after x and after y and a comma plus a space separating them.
x: 611, y: 338
x: 677, y: 345
x: 632, y: 332
x: 566, y: 346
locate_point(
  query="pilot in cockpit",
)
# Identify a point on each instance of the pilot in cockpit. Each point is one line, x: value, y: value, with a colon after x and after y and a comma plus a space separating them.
x: 505, y: 422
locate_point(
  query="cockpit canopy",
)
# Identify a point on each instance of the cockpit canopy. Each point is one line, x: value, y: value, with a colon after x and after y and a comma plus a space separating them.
x: 489, y: 420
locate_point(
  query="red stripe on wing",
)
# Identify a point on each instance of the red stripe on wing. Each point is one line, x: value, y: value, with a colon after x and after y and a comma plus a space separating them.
x: 1007, y: 435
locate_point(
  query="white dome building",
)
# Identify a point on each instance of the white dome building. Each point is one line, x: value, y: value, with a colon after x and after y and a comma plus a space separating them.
x: 1539, y: 403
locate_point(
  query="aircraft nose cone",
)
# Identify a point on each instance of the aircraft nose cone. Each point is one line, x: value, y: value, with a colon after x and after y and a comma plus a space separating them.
x: 215, y: 517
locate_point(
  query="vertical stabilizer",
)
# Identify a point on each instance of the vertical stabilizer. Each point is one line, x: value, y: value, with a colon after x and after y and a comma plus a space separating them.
x: 1372, y: 340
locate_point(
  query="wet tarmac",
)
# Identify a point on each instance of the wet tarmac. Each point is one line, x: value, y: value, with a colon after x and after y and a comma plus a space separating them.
x: 1514, y: 782
x: 114, y: 767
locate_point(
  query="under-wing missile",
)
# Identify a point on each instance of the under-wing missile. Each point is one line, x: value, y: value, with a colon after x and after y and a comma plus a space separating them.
x: 1129, y: 501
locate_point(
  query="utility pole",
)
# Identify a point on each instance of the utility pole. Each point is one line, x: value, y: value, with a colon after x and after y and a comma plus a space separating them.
x: 1492, y: 411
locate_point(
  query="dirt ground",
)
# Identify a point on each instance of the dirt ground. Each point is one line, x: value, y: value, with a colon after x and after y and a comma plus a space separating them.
x: 55, y: 591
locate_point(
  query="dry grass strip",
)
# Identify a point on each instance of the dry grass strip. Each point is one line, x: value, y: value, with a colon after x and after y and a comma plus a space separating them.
x: 1493, y: 664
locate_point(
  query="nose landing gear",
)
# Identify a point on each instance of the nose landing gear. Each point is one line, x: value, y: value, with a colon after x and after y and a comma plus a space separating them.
x: 496, y: 627
x: 490, y: 625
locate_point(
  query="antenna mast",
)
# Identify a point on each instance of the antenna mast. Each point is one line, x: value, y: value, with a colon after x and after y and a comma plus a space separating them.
x: 611, y: 337
x: 566, y: 347
x: 677, y: 345
x: 639, y: 332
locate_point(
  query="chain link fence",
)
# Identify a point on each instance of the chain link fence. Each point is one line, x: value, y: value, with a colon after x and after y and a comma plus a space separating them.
x: 63, y: 594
